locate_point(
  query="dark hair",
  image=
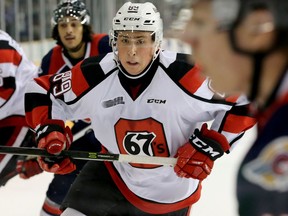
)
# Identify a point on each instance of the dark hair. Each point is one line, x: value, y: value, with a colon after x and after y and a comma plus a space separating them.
x: 153, y: 36
x: 87, y: 34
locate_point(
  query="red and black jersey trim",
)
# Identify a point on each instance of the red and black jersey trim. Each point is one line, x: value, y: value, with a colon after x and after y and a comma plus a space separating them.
x: 5, y: 45
x: 188, y: 77
x: 9, y: 83
x: 92, y: 70
x: 36, y: 100
x: 9, y: 54
x: 149, y: 206
x: 237, y: 120
x: 86, y: 75
x: 178, y: 69
x: 14, y: 120
x: 40, y: 105
x: 7, y: 89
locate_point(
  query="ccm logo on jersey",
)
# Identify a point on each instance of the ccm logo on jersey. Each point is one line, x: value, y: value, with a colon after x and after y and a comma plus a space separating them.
x: 131, y: 18
x: 157, y: 101
x: 202, y: 146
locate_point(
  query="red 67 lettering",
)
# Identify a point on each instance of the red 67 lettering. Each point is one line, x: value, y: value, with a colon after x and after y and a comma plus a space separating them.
x: 62, y: 83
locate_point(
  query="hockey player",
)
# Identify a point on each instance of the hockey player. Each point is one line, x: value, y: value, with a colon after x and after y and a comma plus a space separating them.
x: 141, y: 101
x: 72, y: 30
x: 243, y: 46
x: 15, y: 71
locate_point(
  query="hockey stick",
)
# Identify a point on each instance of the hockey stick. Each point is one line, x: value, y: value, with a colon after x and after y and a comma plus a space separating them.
x: 7, y: 177
x: 84, y: 155
x: 4, y: 179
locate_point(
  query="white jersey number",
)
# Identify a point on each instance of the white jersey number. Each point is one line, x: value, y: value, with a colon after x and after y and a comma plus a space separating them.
x: 62, y: 83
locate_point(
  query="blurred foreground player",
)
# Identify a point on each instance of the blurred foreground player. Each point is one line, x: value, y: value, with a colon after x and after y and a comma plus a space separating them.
x: 243, y: 46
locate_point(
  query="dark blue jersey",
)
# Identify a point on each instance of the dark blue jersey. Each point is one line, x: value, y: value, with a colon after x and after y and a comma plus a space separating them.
x: 56, y: 61
x: 263, y: 175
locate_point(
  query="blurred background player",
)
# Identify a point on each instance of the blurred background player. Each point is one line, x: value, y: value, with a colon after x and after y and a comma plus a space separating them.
x: 75, y: 41
x: 243, y: 46
x: 142, y: 101
x: 15, y: 72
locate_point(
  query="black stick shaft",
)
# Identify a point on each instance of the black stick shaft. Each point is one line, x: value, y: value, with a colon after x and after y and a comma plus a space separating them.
x: 81, y: 155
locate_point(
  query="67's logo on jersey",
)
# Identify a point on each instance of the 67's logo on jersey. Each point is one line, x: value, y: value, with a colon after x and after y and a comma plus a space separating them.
x: 141, y: 137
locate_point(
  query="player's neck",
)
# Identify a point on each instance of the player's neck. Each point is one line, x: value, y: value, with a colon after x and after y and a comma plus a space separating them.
x: 77, y: 52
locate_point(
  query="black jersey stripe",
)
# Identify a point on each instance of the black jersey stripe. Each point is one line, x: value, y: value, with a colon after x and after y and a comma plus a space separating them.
x: 92, y: 70
x: 93, y: 74
x: 36, y: 100
x: 5, y: 45
x: 179, y: 68
x: 9, y: 82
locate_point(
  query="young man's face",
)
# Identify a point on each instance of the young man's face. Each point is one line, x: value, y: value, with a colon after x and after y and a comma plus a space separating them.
x: 71, y: 32
x: 135, y: 50
x: 211, y: 50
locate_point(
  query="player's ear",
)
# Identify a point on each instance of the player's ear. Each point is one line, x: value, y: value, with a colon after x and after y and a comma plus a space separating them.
x: 256, y: 32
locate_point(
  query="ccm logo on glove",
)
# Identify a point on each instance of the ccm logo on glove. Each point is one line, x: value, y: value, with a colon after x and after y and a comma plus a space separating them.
x: 196, y: 157
x: 214, y: 151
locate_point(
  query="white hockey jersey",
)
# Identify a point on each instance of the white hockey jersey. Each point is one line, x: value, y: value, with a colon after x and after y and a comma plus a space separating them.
x: 172, y: 100
x: 15, y: 72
